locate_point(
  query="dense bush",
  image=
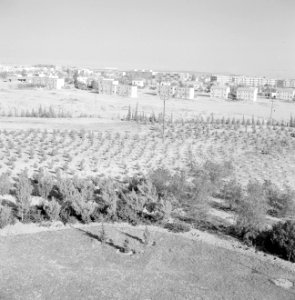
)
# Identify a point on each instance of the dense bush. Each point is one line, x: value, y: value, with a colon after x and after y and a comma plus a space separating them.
x: 52, y: 209
x: 161, y: 179
x: 45, y: 184
x: 23, y: 190
x: 35, y: 214
x: 6, y: 216
x: 251, y: 213
x: 232, y: 192
x: 282, y: 203
x: 77, y: 208
x: 280, y: 240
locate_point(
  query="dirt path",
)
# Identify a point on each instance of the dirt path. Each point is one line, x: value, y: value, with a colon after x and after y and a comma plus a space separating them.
x: 72, y: 264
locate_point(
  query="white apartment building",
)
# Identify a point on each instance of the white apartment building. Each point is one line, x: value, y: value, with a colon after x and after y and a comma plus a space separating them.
x: 242, y: 80
x: 222, y: 79
x: 113, y: 87
x: 247, y: 93
x: 287, y: 94
x: 220, y: 92
x: 253, y: 81
x: 179, y: 92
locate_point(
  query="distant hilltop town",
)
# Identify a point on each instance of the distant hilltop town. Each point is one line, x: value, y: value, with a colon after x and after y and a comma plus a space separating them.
x: 180, y: 85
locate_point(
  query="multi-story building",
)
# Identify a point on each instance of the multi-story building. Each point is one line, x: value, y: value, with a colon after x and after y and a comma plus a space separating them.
x: 253, y: 81
x: 221, y: 79
x: 247, y: 93
x: 289, y: 83
x: 242, y: 80
x: 47, y: 82
x: 287, y: 94
x: 167, y: 88
x: 113, y: 87
x: 106, y: 86
x: 220, y: 92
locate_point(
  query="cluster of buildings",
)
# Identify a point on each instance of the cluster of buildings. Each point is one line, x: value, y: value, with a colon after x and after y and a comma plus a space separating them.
x: 241, y: 93
x: 246, y: 88
x: 182, y: 85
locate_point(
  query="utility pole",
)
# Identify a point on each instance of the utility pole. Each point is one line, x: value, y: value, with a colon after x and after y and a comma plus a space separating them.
x: 164, y: 95
x: 271, y: 110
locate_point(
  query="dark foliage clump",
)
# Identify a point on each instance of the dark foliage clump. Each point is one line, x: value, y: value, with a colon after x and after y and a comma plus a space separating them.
x: 280, y: 240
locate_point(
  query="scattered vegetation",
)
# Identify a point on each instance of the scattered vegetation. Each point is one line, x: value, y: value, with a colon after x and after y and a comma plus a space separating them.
x: 177, y: 198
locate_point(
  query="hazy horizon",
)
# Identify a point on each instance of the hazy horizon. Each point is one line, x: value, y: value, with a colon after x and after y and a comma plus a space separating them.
x: 229, y: 36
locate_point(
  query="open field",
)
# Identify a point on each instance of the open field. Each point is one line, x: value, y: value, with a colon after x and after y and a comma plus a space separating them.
x: 79, y: 102
x: 73, y: 264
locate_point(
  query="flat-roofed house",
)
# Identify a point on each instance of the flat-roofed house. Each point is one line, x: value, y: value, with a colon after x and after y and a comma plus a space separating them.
x: 247, y: 93
x: 287, y: 94
x: 221, y: 92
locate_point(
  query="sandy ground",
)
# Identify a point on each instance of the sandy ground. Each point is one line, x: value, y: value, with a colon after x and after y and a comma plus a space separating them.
x: 72, y: 264
x: 112, y: 107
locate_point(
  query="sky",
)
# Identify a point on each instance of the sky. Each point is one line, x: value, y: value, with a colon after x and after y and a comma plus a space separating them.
x: 254, y: 37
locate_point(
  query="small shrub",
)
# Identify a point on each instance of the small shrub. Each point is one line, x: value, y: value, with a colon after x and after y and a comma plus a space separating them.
x: 45, y: 185
x: 126, y: 246
x: 177, y: 227
x: 6, y: 216
x: 52, y: 209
